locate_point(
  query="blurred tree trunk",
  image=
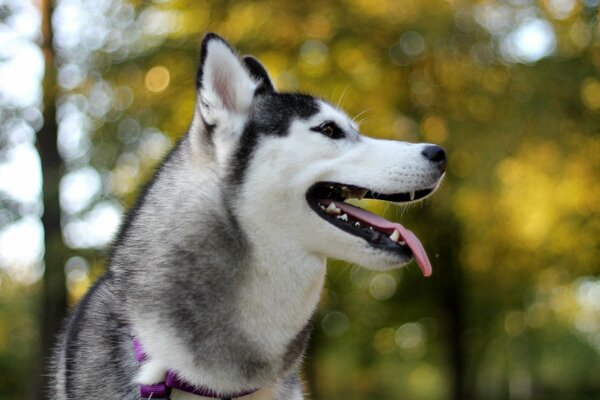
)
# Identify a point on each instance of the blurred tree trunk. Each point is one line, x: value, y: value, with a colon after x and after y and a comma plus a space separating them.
x: 452, y: 289
x: 453, y: 300
x: 53, y: 297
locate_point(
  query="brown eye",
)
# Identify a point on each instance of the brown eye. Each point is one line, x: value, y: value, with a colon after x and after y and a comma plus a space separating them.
x: 329, y: 129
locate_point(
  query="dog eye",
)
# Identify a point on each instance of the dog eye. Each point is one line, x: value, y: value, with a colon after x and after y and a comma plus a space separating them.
x: 329, y: 129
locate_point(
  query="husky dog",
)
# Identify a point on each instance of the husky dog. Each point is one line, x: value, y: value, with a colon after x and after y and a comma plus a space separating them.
x: 217, y: 270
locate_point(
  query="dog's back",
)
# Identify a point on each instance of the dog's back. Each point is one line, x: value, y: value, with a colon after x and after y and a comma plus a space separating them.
x: 94, y: 355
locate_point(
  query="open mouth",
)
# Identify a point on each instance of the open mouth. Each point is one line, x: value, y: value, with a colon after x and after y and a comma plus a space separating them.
x: 327, y: 199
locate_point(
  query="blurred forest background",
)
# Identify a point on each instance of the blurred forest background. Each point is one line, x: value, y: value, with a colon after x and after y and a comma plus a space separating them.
x: 94, y: 92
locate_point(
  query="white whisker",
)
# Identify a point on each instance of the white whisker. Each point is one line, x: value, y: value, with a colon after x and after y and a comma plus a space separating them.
x: 339, y: 103
x: 357, y: 121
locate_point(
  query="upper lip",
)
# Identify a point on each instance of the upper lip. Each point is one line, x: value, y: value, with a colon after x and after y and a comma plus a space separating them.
x: 341, y: 192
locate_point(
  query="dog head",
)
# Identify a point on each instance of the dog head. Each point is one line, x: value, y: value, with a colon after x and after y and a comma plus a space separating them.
x: 291, y: 161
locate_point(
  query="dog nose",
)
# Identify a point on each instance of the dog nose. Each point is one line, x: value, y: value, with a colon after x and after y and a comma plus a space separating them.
x: 437, y: 155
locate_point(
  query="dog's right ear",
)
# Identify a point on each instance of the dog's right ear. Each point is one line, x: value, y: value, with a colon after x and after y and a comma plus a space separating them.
x: 225, y: 86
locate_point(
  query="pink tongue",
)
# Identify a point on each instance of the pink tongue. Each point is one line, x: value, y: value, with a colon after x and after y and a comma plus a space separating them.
x: 388, y: 227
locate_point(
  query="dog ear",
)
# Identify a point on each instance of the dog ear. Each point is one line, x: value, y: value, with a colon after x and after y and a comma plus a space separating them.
x: 224, y: 85
x: 259, y: 72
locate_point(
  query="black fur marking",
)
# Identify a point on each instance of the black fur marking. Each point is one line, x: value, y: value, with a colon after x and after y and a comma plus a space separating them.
x: 241, y: 157
x: 272, y: 115
x: 298, y: 345
x: 209, y: 130
x: 258, y: 72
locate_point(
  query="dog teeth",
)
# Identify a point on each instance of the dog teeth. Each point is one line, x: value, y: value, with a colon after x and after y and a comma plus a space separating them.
x: 359, y: 193
x: 402, y: 243
x: 412, y: 195
x: 395, y: 236
x: 343, y: 217
x: 357, y: 224
x: 332, y: 209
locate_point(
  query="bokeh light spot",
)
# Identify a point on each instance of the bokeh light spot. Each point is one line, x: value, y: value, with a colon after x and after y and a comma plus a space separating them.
x: 590, y: 93
x: 157, y: 79
x: 384, y: 341
x: 78, y: 189
x: 21, y: 249
x: 77, y: 271
x: 21, y: 173
x: 410, y: 336
x: 514, y: 323
x: 560, y: 9
x: 412, y: 43
x: 314, y: 52
x: 335, y: 324
x: 531, y: 41
x: 434, y: 129
x: 382, y: 286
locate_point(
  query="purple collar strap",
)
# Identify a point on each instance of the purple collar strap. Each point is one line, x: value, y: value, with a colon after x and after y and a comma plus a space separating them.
x: 162, y: 390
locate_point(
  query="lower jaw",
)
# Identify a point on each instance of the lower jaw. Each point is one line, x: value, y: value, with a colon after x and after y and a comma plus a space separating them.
x: 382, y: 243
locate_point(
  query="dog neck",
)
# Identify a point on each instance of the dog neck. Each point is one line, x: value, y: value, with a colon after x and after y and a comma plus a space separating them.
x: 281, y: 292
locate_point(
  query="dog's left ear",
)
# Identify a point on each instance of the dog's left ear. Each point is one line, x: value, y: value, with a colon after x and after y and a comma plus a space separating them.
x: 225, y: 85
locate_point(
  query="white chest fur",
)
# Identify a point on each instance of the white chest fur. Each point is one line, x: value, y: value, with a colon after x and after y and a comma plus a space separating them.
x: 280, y: 294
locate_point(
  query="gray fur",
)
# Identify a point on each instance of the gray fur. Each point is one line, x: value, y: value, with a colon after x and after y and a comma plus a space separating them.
x: 180, y: 258
x: 184, y: 267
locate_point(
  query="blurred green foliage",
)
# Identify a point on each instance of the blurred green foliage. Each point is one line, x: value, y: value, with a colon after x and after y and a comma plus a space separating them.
x: 513, y: 308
